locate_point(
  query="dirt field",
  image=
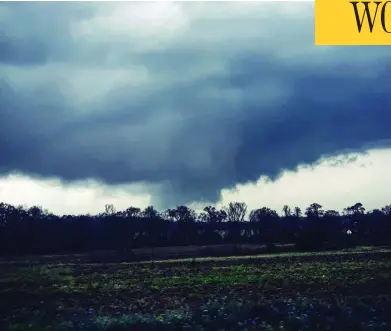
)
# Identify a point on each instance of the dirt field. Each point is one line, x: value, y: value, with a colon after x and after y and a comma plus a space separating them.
x: 147, y: 254
x: 345, y: 290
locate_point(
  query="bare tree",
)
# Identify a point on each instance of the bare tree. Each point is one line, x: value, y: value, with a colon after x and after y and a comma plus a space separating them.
x: 287, y: 211
x: 298, y: 212
x: 236, y: 211
x: 213, y: 215
x: 109, y: 209
x: 263, y: 213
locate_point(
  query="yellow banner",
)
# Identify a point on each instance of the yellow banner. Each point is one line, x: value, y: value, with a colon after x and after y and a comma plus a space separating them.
x: 344, y: 22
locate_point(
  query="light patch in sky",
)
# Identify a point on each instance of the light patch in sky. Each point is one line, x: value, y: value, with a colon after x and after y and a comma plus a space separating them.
x: 329, y: 183
x: 80, y: 198
x: 83, y: 85
x: 149, y: 25
x: 333, y: 186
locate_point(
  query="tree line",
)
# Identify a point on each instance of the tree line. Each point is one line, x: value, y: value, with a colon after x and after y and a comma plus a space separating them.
x: 36, y: 231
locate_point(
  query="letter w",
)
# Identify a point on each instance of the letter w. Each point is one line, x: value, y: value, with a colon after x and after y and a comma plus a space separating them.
x: 367, y: 13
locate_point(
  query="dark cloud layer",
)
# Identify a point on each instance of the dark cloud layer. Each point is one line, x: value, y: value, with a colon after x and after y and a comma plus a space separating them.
x: 219, y: 101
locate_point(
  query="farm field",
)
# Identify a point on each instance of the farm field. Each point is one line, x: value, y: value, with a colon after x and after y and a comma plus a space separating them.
x: 348, y: 290
x: 159, y: 253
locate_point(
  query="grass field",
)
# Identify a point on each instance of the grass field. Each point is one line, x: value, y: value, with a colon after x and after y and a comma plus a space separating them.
x: 349, y: 290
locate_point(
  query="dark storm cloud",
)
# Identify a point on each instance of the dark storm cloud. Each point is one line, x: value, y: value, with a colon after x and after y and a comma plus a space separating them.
x: 217, y: 103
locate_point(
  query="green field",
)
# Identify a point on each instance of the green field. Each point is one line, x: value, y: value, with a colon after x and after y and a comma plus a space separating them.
x: 348, y: 290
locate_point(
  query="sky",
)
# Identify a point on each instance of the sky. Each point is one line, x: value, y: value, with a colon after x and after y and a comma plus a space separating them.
x: 195, y: 103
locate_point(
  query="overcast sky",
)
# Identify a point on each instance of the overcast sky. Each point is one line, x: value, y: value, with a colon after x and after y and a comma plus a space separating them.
x: 188, y: 103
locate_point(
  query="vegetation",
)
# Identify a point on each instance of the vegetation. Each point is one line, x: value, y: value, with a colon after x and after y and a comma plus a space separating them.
x: 96, y: 273
x: 35, y: 231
